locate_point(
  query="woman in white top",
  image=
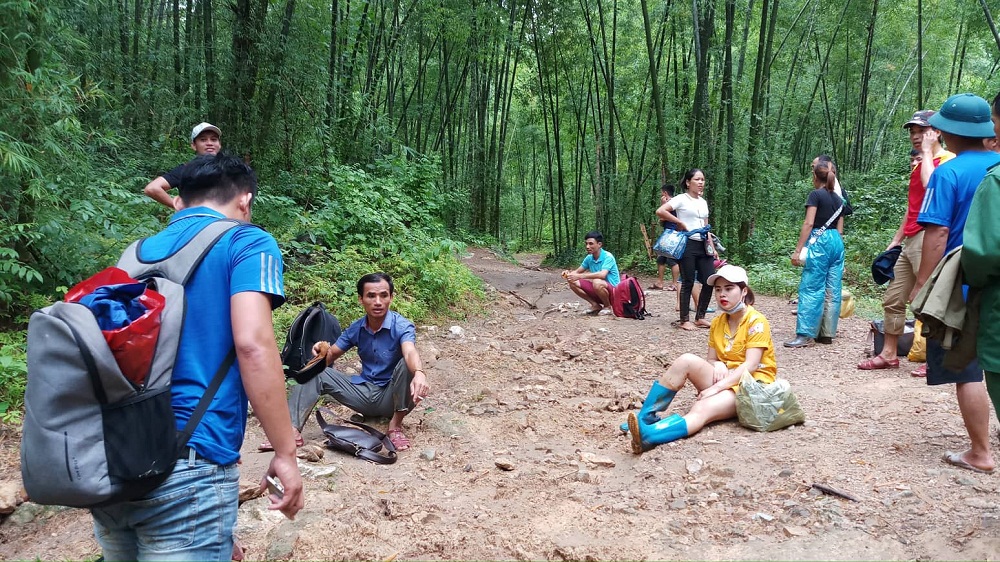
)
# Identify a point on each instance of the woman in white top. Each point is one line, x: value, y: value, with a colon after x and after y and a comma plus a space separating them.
x: 689, y: 211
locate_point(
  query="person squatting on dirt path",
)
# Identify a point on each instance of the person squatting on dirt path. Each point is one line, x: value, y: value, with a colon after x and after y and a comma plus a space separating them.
x: 910, y: 234
x: 689, y: 211
x: 229, y: 303
x: 739, y: 341
x: 204, y: 140
x: 981, y: 267
x: 596, y: 277
x: 392, y: 380
x: 820, y: 236
x: 964, y: 121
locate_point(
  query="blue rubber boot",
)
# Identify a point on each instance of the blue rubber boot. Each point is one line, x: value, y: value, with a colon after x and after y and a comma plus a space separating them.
x: 657, y: 400
x: 645, y: 437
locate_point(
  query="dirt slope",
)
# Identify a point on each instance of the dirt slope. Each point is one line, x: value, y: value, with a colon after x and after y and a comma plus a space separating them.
x: 541, y: 392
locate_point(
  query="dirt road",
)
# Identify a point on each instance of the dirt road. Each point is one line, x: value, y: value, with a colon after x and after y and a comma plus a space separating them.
x: 540, y: 391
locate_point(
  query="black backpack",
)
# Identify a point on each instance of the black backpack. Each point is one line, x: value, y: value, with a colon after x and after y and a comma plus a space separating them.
x: 313, y: 324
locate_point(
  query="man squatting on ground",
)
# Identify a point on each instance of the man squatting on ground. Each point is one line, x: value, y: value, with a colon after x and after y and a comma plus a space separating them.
x: 596, y: 277
x: 229, y: 302
x: 964, y: 121
x: 392, y: 381
x: 204, y: 140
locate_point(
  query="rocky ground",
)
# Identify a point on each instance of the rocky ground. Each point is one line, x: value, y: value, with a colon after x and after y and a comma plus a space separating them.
x: 517, y: 456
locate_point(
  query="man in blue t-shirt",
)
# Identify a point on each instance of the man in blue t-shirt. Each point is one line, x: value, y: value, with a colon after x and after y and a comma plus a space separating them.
x: 392, y: 381
x: 964, y: 120
x: 229, y: 300
x: 596, y: 277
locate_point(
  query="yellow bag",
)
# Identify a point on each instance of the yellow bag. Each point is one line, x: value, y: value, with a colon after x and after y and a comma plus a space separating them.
x: 918, y: 351
x: 846, y: 304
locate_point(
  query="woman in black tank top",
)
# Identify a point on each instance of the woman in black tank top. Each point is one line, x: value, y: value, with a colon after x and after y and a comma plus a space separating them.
x: 820, y: 249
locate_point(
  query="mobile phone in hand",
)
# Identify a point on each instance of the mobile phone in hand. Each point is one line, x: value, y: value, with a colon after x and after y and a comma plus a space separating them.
x: 274, y: 486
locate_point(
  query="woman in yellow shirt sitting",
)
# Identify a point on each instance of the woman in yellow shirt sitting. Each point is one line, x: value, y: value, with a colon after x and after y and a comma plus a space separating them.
x: 739, y: 341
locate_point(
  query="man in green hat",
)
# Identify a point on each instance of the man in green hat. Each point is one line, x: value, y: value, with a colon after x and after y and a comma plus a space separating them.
x: 981, y: 266
x: 964, y: 121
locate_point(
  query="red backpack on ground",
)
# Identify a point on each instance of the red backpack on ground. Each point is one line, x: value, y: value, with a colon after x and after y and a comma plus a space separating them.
x: 628, y: 300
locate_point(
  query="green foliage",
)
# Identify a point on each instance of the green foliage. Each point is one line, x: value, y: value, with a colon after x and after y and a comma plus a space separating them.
x: 15, y: 275
x: 13, y: 371
x: 358, y: 222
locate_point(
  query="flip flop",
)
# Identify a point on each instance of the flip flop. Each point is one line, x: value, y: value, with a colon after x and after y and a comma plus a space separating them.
x: 672, y: 288
x: 592, y: 312
x: 398, y: 439
x: 657, y: 287
x: 878, y: 362
x: 955, y: 459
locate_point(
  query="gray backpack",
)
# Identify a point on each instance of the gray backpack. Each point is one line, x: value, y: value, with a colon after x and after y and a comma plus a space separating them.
x: 91, y: 437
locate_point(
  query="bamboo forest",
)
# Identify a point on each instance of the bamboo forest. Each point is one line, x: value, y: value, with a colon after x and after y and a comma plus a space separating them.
x: 389, y: 133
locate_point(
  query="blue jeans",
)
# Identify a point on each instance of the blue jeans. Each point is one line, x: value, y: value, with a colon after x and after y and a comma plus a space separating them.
x: 189, y: 517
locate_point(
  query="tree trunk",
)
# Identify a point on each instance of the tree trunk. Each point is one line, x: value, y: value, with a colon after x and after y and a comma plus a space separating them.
x: 661, y: 131
x: 209, y: 47
x: 861, y: 121
x: 989, y: 21
x: 276, y: 77
x: 177, y: 49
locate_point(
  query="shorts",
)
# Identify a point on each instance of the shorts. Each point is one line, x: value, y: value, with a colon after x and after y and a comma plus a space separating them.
x: 666, y: 260
x: 937, y: 374
x: 588, y: 287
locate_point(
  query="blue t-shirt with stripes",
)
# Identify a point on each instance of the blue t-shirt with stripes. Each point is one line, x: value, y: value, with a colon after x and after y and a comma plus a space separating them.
x: 950, y: 190
x: 244, y: 259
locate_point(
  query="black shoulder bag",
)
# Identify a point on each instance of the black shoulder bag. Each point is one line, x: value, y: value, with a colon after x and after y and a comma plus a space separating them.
x: 363, y: 441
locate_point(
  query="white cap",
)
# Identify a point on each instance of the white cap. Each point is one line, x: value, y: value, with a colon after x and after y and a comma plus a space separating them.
x: 202, y: 127
x: 731, y: 273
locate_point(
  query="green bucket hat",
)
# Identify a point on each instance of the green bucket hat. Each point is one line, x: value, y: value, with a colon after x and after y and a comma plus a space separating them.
x: 965, y: 115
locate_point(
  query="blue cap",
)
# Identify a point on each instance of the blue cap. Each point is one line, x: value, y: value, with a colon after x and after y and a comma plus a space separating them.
x: 882, y: 267
x: 965, y: 115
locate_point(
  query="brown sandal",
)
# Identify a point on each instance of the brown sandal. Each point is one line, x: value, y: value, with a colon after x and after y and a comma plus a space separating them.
x: 878, y: 362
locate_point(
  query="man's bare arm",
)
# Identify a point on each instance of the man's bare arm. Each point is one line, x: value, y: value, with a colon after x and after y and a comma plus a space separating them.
x: 935, y: 241
x: 419, y: 386
x: 157, y: 191
x: 260, y: 369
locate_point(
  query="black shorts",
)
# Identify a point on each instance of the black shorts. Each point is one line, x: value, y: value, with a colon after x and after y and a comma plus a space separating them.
x: 664, y: 260
x: 937, y: 374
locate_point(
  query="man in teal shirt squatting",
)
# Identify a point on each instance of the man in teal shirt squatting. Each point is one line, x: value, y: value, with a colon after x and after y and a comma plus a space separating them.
x: 596, y: 277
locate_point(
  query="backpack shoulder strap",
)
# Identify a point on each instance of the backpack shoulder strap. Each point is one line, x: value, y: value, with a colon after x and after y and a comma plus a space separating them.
x: 181, y: 265
x: 199, y: 411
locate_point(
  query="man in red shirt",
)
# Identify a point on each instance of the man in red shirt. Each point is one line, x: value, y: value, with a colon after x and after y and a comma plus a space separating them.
x: 910, y: 234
